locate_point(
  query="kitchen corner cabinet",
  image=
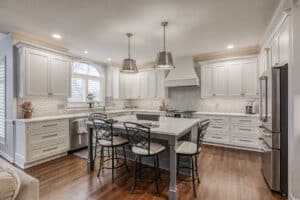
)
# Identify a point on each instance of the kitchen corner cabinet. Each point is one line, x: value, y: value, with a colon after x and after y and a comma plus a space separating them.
x: 237, y: 77
x: 41, y: 73
x: 113, y: 82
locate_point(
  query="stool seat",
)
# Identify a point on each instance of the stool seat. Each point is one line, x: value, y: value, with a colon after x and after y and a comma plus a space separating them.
x: 187, y: 148
x: 117, y: 141
x: 155, y: 148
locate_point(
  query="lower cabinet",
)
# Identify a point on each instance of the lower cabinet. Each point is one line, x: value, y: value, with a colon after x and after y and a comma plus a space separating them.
x: 40, y: 141
x: 232, y: 131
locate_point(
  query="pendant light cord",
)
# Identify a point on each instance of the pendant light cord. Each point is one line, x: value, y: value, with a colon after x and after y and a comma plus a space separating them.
x: 164, y: 38
x: 129, y: 35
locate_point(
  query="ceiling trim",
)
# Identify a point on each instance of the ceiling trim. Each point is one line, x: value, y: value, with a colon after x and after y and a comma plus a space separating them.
x: 240, y: 52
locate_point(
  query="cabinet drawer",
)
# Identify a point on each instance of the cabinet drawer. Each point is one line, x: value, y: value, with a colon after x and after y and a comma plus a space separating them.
x: 37, y: 138
x: 45, y: 152
x: 48, y: 126
x: 216, y: 132
x: 244, y: 122
x: 220, y: 139
x: 247, y: 134
x: 218, y: 123
x: 246, y: 142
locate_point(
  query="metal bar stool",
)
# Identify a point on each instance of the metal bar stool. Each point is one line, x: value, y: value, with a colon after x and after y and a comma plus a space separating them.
x: 192, y: 150
x: 106, y: 138
x: 141, y: 145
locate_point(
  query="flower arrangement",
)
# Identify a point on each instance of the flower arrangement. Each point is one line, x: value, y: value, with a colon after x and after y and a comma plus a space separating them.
x: 27, y: 109
x: 90, y: 97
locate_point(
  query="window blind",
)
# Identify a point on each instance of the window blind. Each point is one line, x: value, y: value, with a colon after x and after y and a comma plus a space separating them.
x: 2, y: 99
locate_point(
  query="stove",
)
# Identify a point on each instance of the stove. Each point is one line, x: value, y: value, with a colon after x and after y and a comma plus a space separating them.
x: 180, y: 114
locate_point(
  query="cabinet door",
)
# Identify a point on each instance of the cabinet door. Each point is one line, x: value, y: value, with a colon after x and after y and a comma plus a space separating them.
x: 144, y: 84
x: 37, y: 66
x: 162, y: 91
x: 283, y: 42
x: 115, y: 83
x: 60, y: 76
x: 122, y: 88
x: 274, y: 51
x: 219, y: 80
x: 250, y: 78
x: 152, y: 84
x: 206, y: 81
x: 132, y: 85
x: 235, y: 79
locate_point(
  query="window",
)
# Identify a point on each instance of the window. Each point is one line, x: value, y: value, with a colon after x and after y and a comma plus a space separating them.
x: 2, y: 98
x: 86, y: 79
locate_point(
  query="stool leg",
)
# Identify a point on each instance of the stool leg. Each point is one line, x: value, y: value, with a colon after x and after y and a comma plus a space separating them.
x: 95, y: 154
x: 197, y: 173
x: 177, y: 167
x: 113, y: 165
x: 134, y: 174
x: 140, y: 167
x: 156, y: 175
x: 193, y: 177
x: 157, y: 161
x: 125, y: 160
x: 100, y: 166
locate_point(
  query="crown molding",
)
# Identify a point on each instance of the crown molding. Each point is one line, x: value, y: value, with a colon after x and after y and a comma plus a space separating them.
x: 240, y: 52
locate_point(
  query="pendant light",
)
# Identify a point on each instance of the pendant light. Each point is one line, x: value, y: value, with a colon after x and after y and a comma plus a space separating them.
x: 129, y: 64
x: 164, y: 58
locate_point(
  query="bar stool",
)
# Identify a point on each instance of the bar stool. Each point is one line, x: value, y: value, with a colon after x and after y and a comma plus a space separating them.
x: 106, y: 138
x: 141, y: 145
x: 192, y: 150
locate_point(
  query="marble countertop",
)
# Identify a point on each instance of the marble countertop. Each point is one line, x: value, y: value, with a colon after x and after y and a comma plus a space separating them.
x: 85, y: 114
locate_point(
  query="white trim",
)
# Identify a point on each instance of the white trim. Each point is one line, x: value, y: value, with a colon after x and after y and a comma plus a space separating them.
x: 228, y: 59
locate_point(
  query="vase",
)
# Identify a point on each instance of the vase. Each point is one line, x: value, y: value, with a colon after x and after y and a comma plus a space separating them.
x: 27, y: 115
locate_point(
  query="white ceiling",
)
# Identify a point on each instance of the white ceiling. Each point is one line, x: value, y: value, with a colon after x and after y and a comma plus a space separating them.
x: 195, y: 26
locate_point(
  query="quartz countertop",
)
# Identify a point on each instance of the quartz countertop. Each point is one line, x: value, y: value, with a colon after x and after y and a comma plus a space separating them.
x: 85, y: 114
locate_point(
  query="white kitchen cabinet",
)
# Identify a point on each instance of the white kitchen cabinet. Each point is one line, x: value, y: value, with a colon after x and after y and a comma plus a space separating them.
x: 59, y: 76
x: 36, y: 72
x: 249, y: 78
x: 152, y: 84
x: 206, y: 81
x: 263, y: 61
x: 219, y: 80
x: 162, y: 91
x: 274, y: 51
x: 132, y: 86
x: 283, y: 43
x: 144, y: 84
x: 38, y: 142
x: 42, y: 73
x: 115, y: 83
x: 235, y: 71
x: 122, y: 86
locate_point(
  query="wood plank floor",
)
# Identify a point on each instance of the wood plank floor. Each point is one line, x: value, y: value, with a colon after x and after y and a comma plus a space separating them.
x: 225, y: 175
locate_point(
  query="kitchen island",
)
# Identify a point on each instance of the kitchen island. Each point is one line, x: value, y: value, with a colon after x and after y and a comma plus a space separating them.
x: 169, y: 129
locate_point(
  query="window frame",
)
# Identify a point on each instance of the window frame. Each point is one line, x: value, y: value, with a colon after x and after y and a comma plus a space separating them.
x: 86, y: 78
x: 3, y: 138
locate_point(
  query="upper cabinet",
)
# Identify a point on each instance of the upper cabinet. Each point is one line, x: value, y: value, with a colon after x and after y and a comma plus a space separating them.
x: 42, y: 73
x: 236, y: 77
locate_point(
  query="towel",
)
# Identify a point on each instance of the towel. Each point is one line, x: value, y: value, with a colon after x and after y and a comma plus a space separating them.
x: 81, y: 128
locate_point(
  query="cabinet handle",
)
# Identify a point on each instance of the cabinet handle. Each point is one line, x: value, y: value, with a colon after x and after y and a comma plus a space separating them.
x: 242, y: 140
x: 214, y: 94
x: 244, y: 120
x: 50, y: 149
x: 48, y: 136
x: 47, y: 125
x: 216, y: 137
x: 245, y: 129
x: 217, y: 127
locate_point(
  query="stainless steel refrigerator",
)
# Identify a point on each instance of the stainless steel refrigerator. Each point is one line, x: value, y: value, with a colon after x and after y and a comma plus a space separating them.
x: 274, y: 127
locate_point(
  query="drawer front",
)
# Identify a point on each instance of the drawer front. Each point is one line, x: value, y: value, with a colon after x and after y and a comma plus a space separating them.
x: 48, y: 148
x: 214, y: 138
x: 246, y: 142
x: 218, y: 123
x: 48, y: 126
x: 39, y: 138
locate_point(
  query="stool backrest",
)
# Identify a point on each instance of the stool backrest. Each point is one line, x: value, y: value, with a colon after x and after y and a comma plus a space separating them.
x: 138, y: 135
x: 202, y: 129
x: 102, y: 126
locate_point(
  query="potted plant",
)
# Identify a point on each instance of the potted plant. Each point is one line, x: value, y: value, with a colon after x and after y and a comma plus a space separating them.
x: 90, y: 99
x: 27, y: 109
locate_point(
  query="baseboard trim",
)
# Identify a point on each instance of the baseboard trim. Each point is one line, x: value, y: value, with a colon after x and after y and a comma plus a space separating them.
x: 7, y: 157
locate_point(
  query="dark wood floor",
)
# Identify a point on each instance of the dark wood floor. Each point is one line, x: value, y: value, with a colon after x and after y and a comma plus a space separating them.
x: 225, y: 174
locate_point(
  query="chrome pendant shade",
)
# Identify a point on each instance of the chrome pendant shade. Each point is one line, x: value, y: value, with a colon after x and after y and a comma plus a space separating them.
x: 129, y: 64
x: 164, y: 58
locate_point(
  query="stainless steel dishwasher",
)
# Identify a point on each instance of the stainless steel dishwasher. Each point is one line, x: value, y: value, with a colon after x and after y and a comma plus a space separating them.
x: 78, y: 133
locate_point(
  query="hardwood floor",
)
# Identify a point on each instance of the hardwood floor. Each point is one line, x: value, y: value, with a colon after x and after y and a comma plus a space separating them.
x: 224, y: 174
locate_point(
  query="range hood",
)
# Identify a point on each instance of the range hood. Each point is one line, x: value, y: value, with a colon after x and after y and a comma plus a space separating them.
x: 184, y: 73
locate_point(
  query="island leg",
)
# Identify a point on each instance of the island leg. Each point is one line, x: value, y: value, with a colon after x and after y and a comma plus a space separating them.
x: 90, y: 161
x: 173, y: 168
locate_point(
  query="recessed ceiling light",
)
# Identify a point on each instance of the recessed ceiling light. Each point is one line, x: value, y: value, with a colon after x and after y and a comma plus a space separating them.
x: 108, y: 59
x: 56, y: 36
x: 86, y: 51
x: 231, y: 46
